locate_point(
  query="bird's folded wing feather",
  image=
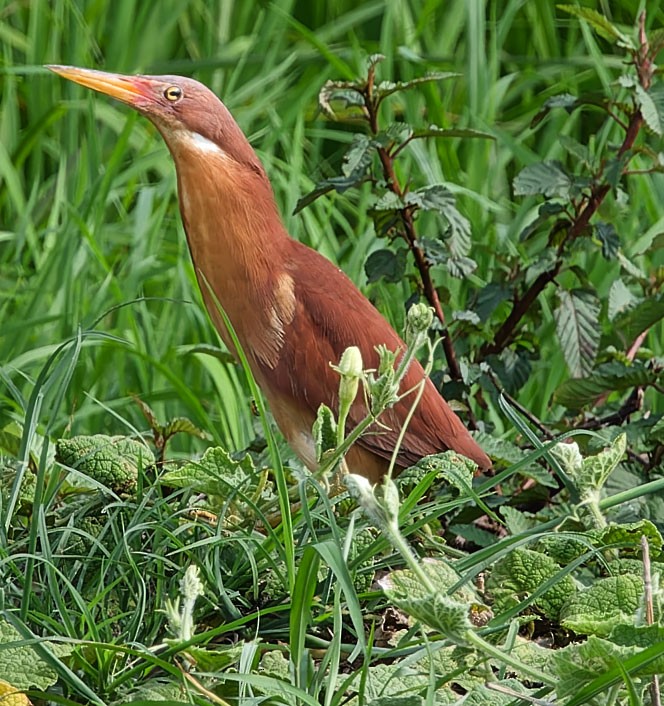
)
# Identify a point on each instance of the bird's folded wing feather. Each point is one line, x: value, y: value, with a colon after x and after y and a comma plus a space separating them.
x: 330, y: 315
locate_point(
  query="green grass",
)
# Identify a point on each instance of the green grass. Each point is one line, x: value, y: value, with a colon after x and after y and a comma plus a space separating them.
x: 99, y: 303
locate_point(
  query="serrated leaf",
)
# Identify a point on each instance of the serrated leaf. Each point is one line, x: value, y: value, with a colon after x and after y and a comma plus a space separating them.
x: 600, y: 24
x: 597, y: 610
x: 440, y: 199
x: 182, y: 425
x: 490, y: 297
x: 620, y: 299
x: 520, y: 573
x: 387, y: 88
x: 564, y: 100
x: 641, y: 637
x: 357, y: 159
x: 215, y: 474
x: 630, y: 533
x: 575, y: 148
x: 609, y: 238
x: 579, y: 663
x: 388, y: 201
x: 649, y: 111
x: 386, y: 264
x: 449, y: 614
x: 640, y: 317
x: 112, y: 461
x: 594, y: 470
x: 443, y: 132
x: 608, y: 377
x: 460, y: 267
x: 578, y: 329
x: 469, y: 316
x: 547, y: 178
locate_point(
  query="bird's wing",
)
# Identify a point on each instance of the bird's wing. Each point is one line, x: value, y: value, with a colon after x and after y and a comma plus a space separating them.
x: 332, y: 314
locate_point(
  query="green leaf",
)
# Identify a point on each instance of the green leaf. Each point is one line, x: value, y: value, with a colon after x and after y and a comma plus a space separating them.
x: 357, y: 159
x: 609, y: 239
x: 112, y: 461
x: 324, y: 432
x: 21, y: 666
x: 615, y: 376
x: 640, y: 317
x: 547, y: 178
x: 621, y: 299
x: 564, y: 100
x: 218, y: 659
x: 489, y: 299
x: 440, y: 199
x: 449, y: 614
x: 580, y: 663
x: 182, y: 425
x: 595, y: 470
x: 386, y: 264
x: 649, y: 110
x: 578, y: 329
x: 604, y: 605
x: 387, y: 88
x: 520, y: 574
x: 641, y: 636
x: 600, y: 24
x: 575, y: 148
x: 630, y: 534
x: 215, y: 474
x: 460, y: 267
x: 465, y: 132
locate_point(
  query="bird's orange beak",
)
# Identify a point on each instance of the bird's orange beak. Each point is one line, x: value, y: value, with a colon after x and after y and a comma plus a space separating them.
x: 128, y: 89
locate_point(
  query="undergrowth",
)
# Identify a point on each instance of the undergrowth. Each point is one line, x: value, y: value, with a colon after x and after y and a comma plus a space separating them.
x: 158, y: 542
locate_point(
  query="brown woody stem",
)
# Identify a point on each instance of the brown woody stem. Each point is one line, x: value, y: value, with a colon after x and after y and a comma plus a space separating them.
x: 410, y: 235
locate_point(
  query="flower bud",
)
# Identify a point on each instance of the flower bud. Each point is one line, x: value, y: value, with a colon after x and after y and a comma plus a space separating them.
x: 350, y: 369
x: 418, y: 322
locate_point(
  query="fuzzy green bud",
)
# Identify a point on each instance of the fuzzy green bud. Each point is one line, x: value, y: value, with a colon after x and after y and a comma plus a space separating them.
x: 418, y: 322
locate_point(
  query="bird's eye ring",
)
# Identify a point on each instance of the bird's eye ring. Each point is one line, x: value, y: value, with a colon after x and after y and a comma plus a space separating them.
x: 173, y: 93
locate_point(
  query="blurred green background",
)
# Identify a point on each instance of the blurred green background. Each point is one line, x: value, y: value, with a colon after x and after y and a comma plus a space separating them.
x: 90, y: 235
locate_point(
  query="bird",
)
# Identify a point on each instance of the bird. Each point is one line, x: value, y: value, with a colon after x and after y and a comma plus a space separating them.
x: 293, y: 311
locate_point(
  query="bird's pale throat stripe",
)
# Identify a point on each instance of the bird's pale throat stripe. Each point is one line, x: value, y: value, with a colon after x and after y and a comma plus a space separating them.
x: 198, y: 142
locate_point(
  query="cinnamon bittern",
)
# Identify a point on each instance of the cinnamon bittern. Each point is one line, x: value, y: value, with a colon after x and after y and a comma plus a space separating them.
x: 293, y: 311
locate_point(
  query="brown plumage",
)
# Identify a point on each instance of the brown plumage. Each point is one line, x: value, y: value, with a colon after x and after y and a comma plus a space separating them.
x: 294, y: 312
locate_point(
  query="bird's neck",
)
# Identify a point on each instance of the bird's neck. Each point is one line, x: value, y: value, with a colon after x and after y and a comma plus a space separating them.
x: 239, y: 246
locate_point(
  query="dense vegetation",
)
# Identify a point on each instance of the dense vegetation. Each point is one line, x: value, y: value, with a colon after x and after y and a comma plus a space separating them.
x: 500, y: 162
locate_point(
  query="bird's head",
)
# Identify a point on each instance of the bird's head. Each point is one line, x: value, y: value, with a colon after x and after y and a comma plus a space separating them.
x: 183, y: 110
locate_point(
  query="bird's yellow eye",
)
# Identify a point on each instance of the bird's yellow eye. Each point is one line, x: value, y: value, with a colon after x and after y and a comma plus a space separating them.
x: 173, y: 93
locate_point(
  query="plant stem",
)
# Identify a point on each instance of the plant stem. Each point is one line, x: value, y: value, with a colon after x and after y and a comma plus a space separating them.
x: 409, y: 232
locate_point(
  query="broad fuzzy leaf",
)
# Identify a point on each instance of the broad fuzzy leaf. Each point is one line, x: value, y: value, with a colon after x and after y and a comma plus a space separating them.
x: 547, y: 178
x: 603, y: 606
x: 591, y: 476
x: 21, y: 665
x: 215, y: 474
x: 521, y: 573
x: 578, y: 329
x: 438, y: 610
